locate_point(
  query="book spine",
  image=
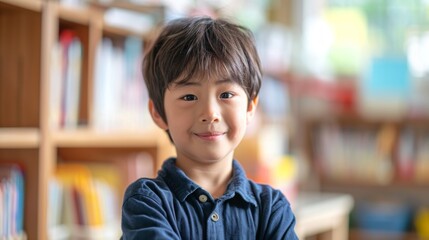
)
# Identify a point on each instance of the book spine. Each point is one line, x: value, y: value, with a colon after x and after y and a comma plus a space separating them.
x: 11, y: 201
x: 71, y: 61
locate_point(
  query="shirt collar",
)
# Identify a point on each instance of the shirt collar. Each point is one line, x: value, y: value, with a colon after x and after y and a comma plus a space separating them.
x: 240, y: 184
x: 182, y: 186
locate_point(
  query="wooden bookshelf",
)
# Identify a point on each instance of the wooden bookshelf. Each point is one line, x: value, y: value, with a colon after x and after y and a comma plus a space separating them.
x: 20, y: 91
x: 29, y: 29
x: 352, y: 146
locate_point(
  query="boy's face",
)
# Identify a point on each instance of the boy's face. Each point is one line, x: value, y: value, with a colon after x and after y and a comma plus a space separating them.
x: 206, y: 118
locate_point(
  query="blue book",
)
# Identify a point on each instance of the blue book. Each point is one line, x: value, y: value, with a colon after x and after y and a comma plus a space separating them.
x: 12, y: 184
x: 19, y: 183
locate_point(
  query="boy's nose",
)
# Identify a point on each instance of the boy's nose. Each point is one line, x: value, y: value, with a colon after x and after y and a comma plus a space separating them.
x: 210, y: 119
x: 210, y: 112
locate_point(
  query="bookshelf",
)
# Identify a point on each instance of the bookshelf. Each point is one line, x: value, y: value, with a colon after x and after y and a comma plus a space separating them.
x: 29, y: 134
x: 382, y: 163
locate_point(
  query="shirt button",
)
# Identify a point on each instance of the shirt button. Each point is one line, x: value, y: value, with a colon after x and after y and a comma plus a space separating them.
x: 202, y: 198
x: 215, y: 217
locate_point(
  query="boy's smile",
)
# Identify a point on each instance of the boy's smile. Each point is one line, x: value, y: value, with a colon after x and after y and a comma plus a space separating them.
x: 210, y: 136
x: 206, y: 119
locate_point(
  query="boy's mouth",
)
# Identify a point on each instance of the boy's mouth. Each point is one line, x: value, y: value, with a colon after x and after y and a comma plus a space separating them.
x: 209, y: 135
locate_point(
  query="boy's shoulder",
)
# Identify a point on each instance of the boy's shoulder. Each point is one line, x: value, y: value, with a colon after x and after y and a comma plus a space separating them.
x: 266, y: 194
x: 147, y: 187
x: 261, y: 193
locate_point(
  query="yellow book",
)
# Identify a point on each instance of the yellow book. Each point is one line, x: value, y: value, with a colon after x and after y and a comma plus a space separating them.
x: 79, y: 180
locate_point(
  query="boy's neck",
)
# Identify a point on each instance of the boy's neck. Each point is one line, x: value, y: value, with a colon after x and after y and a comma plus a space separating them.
x: 213, y: 177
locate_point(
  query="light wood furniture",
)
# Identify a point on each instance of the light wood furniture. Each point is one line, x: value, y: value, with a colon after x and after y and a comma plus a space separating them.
x: 323, y: 214
x: 404, y: 180
x: 28, y: 31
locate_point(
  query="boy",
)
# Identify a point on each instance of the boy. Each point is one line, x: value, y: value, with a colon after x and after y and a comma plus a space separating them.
x: 203, y: 77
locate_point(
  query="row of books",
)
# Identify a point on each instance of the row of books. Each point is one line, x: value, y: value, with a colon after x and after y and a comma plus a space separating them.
x: 79, y: 199
x: 412, y: 155
x: 85, y: 197
x: 11, y: 202
x: 374, y: 155
x: 120, y: 97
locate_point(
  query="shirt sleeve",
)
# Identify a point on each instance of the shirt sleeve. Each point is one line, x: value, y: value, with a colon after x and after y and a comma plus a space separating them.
x: 144, y: 218
x: 281, y: 220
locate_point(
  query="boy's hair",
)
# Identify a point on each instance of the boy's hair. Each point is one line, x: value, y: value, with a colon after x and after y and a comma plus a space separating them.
x: 201, y: 47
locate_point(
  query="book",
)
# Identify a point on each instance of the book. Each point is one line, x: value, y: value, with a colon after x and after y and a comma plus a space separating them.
x: 55, y: 203
x: 73, y: 82
x: 11, y: 201
x: 70, y: 74
x: 56, y: 86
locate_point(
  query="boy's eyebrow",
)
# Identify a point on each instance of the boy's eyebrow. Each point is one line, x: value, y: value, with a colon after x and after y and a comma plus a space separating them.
x: 198, y: 83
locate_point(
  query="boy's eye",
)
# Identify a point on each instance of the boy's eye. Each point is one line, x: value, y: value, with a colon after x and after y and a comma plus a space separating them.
x: 189, y: 97
x: 226, y: 95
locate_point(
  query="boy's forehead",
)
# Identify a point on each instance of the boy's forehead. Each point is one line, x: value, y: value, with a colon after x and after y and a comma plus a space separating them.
x: 214, y: 73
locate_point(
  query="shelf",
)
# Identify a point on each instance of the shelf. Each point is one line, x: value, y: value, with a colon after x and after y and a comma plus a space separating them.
x: 412, y: 193
x: 91, y: 138
x: 80, y: 15
x: 356, y: 234
x: 398, y: 184
x: 19, y: 138
x: 119, y: 31
x: 143, y: 8
x: 33, y: 5
x: 356, y: 118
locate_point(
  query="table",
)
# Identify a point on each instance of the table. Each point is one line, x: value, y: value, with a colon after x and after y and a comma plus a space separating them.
x: 324, y: 214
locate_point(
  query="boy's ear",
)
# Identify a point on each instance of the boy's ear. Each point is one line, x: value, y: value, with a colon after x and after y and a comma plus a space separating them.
x: 251, y: 109
x: 156, y: 117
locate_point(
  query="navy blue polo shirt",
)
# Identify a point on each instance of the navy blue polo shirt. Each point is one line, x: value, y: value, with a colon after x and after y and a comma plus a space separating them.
x: 172, y: 206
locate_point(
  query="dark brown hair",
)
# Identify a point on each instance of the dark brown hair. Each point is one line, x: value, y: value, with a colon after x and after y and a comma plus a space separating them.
x: 201, y: 47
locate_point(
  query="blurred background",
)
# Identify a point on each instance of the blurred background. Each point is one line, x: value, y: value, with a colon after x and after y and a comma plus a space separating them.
x: 342, y: 125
